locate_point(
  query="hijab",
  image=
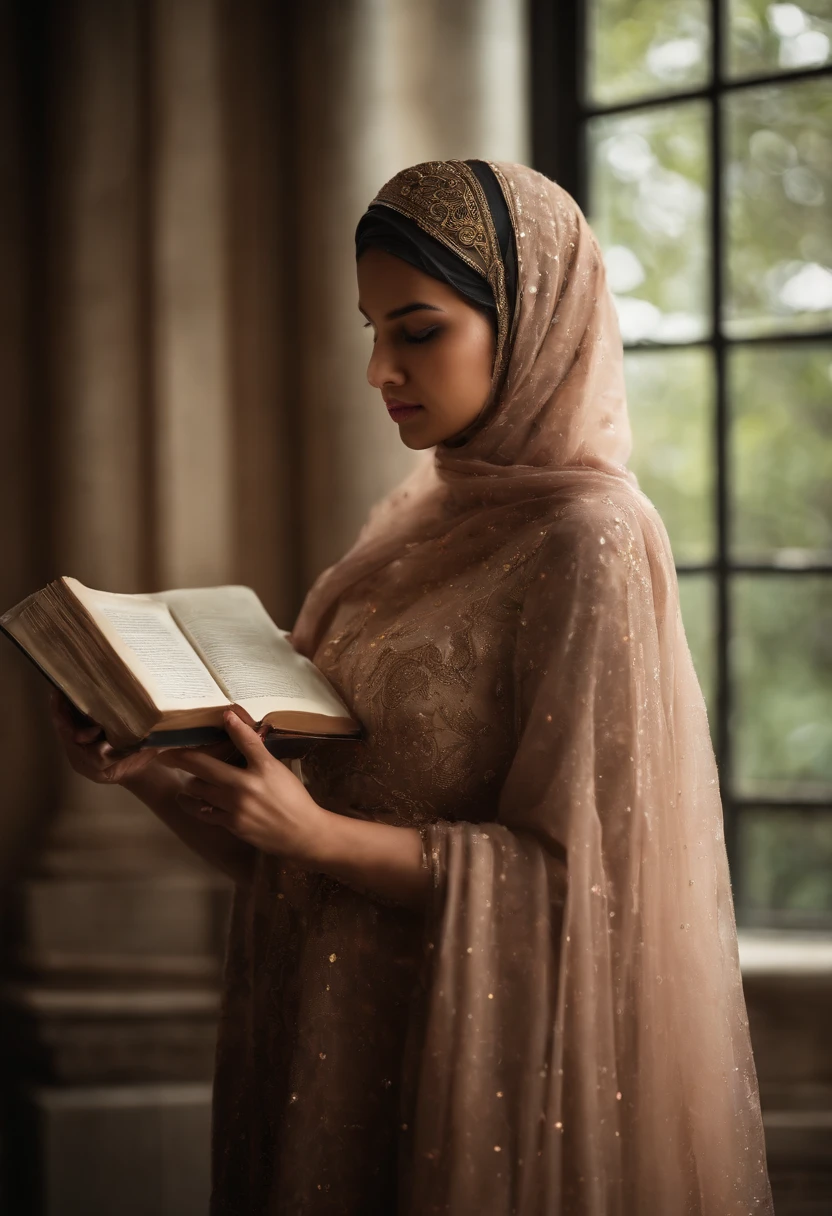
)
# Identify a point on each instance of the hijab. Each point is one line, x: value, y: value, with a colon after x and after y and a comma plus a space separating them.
x: 582, y: 1038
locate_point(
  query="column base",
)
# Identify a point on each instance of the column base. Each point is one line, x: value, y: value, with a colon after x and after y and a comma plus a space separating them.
x: 135, y: 1150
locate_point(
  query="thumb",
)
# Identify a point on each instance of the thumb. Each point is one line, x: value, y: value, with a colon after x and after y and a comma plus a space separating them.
x: 246, y: 738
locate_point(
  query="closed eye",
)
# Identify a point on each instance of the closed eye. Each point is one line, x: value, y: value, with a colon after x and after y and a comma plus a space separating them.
x: 424, y: 335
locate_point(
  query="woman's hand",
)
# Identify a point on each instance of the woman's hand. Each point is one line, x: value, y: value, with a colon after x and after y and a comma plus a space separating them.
x: 264, y: 805
x: 157, y: 785
x: 90, y: 754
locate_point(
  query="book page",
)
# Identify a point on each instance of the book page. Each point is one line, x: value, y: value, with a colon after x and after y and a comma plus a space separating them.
x: 144, y: 634
x: 248, y: 654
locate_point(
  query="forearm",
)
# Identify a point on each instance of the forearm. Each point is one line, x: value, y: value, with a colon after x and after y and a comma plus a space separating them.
x: 374, y: 857
x: 226, y: 852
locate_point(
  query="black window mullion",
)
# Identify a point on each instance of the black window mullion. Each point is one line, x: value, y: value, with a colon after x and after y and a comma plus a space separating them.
x: 749, y: 803
x: 754, y: 568
x: 558, y: 82
x: 718, y: 86
x: 722, y: 506
x: 775, y: 338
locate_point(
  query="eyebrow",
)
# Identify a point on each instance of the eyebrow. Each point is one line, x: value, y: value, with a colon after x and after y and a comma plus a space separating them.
x: 395, y: 313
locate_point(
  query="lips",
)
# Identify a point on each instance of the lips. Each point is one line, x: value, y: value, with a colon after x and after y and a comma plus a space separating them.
x: 399, y: 410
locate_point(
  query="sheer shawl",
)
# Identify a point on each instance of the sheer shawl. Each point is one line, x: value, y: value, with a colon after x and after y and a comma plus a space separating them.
x: 581, y: 1045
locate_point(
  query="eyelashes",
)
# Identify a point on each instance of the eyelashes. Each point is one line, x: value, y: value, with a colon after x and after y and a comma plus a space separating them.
x: 424, y: 335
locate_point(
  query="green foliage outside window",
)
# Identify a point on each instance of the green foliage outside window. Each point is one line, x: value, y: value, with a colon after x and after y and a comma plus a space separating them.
x: 651, y: 202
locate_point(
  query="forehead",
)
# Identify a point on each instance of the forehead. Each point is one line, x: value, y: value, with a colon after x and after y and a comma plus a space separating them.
x: 385, y: 281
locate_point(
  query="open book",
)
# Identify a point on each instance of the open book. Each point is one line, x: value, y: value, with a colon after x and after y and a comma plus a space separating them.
x: 160, y: 669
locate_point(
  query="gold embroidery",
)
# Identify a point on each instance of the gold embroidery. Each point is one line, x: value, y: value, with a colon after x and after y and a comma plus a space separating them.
x: 428, y: 755
x: 439, y: 198
x: 446, y: 200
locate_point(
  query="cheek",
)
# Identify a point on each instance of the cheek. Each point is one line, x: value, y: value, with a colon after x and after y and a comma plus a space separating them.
x: 463, y: 368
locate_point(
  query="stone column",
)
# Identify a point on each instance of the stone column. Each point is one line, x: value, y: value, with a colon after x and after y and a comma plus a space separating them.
x: 261, y: 308
x: 24, y: 496
x: 379, y: 86
x: 113, y: 994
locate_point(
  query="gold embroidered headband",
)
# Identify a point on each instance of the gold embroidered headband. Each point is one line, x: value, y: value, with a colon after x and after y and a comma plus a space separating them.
x: 447, y: 201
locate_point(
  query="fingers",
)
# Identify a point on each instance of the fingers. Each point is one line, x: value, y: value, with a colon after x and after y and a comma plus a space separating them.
x: 220, y: 751
x: 59, y: 709
x: 75, y: 734
x: 87, y: 752
x: 86, y: 734
x: 248, y: 740
x: 101, y: 759
x: 193, y: 760
x: 199, y: 809
x: 225, y: 798
x: 66, y: 724
x: 244, y: 738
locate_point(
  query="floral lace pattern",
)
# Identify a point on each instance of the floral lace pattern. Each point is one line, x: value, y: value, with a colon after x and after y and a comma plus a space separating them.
x: 429, y: 755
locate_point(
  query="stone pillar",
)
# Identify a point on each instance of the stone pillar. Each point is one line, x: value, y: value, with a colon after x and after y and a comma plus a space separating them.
x: 379, y: 87
x: 261, y: 308
x: 112, y: 998
x: 28, y: 786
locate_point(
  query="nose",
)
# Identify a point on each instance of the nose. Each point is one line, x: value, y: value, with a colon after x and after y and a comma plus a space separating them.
x: 383, y: 369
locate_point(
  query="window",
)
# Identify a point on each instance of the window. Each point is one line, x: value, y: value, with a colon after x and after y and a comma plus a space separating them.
x: 697, y: 137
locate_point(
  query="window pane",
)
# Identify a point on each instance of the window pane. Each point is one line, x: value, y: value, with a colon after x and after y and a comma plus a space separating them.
x: 786, y: 866
x: 779, y: 217
x: 698, y: 603
x: 670, y: 401
x: 781, y: 658
x: 781, y: 443
x: 765, y: 37
x: 649, y: 203
x: 641, y: 47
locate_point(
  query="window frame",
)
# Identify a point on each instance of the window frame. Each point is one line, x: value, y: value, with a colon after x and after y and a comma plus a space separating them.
x: 561, y: 112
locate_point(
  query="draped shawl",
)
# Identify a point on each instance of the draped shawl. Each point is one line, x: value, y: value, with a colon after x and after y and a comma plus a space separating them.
x: 582, y: 1044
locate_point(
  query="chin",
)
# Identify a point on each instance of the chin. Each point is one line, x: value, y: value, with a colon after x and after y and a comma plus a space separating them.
x: 417, y: 438
x: 418, y: 443
x: 431, y: 432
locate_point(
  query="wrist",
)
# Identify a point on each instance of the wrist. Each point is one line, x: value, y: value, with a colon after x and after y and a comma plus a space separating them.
x: 317, y: 841
x: 379, y: 859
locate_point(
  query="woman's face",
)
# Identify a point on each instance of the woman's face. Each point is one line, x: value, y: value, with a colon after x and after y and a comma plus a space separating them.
x: 431, y: 348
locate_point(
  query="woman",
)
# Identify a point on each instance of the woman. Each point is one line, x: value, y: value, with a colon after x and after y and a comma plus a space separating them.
x: 484, y: 962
